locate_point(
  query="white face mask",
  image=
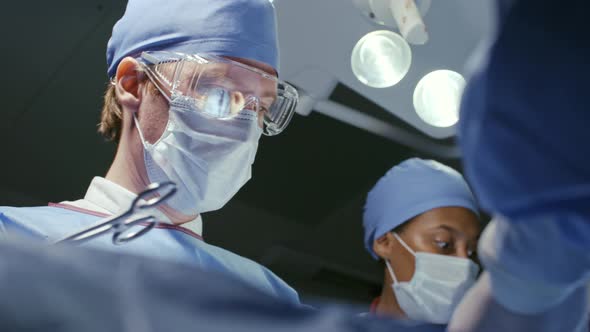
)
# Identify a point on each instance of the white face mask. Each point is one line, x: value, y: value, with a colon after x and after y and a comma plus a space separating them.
x: 208, y: 159
x: 438, y: 284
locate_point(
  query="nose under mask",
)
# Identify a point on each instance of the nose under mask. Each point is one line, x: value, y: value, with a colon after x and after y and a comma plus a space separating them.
x: 209, y: 159
x: 436, y: 288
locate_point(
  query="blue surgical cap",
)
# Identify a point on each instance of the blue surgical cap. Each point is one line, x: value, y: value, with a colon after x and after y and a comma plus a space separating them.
x: 410, y: 189
x: 238, y: 28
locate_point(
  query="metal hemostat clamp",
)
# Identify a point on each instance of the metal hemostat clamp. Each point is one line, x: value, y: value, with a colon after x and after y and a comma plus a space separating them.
x: 154, y: 195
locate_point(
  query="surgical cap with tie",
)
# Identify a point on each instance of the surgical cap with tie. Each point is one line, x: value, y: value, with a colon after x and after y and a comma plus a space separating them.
x: 409, y: 189
x: 237, y: 28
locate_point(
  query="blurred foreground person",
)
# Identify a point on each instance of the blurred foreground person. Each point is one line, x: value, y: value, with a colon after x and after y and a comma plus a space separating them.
x: 63, y: 290
x: 524, y: 136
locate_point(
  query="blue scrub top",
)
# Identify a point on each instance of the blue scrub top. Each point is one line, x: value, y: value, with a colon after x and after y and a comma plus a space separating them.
x: 50, y: 223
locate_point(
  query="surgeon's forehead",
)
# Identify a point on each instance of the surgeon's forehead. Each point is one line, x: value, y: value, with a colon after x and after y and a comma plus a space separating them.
x: 261, y: 66
x: 256, y: 64
x: 456, y: 218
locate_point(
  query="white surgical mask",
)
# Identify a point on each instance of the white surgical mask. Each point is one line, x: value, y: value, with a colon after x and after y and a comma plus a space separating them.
x: 208, y: 159
x: 438, y: 284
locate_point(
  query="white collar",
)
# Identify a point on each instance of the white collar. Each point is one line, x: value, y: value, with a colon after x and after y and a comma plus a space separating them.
x: 108, y: 197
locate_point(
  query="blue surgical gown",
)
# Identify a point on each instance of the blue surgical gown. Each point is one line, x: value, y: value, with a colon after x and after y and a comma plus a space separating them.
x: 49, y: 223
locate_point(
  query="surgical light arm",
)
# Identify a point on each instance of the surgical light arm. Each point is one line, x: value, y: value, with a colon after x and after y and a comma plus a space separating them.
x: 409, y: 20
x: 403, y: 14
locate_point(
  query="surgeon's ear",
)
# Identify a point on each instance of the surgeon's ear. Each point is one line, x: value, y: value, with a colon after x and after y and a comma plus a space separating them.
x: 384, y: 245
x: 128, y: 83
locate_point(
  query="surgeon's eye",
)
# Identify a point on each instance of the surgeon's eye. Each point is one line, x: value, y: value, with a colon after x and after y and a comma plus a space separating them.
x: 442, y: 244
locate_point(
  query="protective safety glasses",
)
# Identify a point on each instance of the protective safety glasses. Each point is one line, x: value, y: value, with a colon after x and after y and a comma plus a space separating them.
x: 221, y: 88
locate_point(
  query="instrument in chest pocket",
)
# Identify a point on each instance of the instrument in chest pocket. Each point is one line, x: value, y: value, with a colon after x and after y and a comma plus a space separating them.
x: 120, y: 225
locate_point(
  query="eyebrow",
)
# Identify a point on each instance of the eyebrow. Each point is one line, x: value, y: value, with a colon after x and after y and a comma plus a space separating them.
x: 446, y: 227
x: 455, y: 231
x: 267, y: 95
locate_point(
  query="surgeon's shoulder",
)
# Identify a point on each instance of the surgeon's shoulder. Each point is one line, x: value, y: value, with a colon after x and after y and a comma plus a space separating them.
x: 36, y: 222
x: 254, y: 273
x: 22, y: 214
x: 278, y: 283
x: 11, y: 213
x: 15, y: 221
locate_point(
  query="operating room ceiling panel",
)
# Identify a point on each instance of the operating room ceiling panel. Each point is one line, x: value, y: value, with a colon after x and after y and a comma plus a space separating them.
x: 320, y: 35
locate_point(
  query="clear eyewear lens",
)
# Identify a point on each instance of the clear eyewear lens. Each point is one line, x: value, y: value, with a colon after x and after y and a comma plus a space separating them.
x: 281, y: 111
x: 222, y: 88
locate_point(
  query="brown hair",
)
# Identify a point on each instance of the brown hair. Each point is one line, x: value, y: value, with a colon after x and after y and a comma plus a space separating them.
x: 111, y: 117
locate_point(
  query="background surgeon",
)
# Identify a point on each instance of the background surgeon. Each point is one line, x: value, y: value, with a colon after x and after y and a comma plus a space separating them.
x: 422, y: 220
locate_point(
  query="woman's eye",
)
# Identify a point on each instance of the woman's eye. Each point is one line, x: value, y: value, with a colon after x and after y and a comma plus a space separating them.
x: 442, y: 244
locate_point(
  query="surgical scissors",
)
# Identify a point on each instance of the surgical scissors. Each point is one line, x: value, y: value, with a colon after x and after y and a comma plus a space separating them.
x: 152, y: 196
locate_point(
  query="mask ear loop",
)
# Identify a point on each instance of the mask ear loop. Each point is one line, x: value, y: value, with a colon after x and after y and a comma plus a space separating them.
x: 391, y: 271
x: 143, y: 141
x: 387, y: 260
x: 405, y: 245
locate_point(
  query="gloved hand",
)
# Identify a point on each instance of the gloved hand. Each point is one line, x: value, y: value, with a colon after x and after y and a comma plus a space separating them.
x: 480, y: 312
x: 533, y: 266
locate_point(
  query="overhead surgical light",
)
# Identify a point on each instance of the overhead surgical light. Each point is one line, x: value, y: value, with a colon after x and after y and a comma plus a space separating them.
x: 437, y: 97
x: 381, y: 59
x: 403, y: 14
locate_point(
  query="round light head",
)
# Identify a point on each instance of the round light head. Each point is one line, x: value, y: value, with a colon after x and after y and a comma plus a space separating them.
x: 381, y: 59
x: 437, y: 97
